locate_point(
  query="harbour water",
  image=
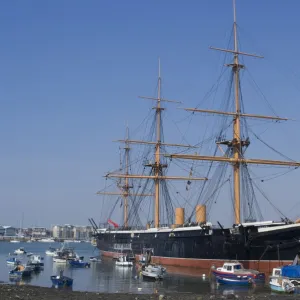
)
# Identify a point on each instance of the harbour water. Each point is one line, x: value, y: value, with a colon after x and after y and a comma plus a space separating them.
x: 105, y: 276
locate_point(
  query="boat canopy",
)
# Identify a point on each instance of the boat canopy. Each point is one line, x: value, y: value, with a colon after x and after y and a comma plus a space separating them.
x: 291, y: 271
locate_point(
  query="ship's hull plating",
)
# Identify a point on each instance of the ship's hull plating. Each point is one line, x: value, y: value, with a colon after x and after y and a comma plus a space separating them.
x: 204, y: 247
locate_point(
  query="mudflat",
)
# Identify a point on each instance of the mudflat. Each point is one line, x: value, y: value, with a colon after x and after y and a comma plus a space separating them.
x: 28, y: 292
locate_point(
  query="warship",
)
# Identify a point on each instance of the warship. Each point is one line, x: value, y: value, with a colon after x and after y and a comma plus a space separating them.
x: 194, y: 241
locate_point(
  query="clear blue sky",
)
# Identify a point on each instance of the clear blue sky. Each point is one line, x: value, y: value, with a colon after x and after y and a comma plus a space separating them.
x: 71, y: 71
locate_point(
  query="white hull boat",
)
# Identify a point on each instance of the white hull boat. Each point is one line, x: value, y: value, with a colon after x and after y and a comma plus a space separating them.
x: 51, y: 252
x: 15, y: 241
x: 59, y: 260
x: 20, y: 251
x: 282, y: 285
x: 46, y: 241
x: 153, y: 272
x: 123, y: 261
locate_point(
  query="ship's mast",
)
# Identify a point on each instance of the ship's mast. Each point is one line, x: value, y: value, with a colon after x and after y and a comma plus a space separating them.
x: 126, y: 187
x: 236, y: 144
x: 157, y: 166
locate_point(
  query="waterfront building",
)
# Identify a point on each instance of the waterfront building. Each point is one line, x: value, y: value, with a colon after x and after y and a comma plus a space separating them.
x: 8, y: 231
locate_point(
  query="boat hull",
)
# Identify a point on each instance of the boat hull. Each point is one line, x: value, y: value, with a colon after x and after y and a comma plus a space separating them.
x: 230, y: 281
x: 60, y: 282
x: 202, y: 248
x: 260, y: 277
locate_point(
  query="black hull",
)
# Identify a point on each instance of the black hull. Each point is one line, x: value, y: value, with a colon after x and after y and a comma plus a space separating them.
x: 243, y: 244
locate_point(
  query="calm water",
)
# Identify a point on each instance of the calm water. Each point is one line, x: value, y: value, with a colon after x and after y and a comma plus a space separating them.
x: 107, y: 277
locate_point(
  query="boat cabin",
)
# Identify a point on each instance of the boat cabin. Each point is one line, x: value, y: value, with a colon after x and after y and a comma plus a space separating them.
x: 231, y: 267
x: 276, y: 272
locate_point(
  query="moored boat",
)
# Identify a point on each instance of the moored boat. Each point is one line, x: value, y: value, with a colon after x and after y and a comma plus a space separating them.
x: 21, y: 250
x: 61, y: 280
x: 153, y: 272
x: 46, y: 240
x: 51, y: 251
x: 36, y: 262
x: 235, y: 270
x: 124, y: 261
x: 242, y: 280
x: 21, y: 271
x: 79, y: 263
x: 95, y: 259
x: 13, y: 261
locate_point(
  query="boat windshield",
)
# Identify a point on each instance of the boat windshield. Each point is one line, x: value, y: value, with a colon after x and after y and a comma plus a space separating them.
x: 237, y: 267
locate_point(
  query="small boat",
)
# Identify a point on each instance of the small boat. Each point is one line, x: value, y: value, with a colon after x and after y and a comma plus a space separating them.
x: 14, y: 241
x: 36, y: 260
x: 51, y: 252
x: 123, y: 261
x: 281, y: 284
x: 46, y: 241
x: 95, y: 259
x: 79, y: 263
x: 59, y: 260
x: 13, y: 261
x: 153, y: 272
x: 29, y: 241
x: 21, y: 271
x: 285, y: 279
x: 61, y: 280
x: 242, y: 280
x: 21, y: 250
x: 29, y: 254
x: 235, y: 270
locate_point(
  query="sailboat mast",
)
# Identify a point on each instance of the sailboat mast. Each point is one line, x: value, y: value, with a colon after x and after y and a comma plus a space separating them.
x: 157, y: 151
x: 125, y: 196
x: 236, y: 125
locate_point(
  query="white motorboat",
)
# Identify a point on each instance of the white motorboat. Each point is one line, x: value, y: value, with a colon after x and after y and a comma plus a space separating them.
x: 14, y: 241
x: 51, y: 252
x: 59, y: 260
x: 21, y: 250
x: 123, y: 261
x: 95, y: 259
x: 153, y: 271
x: 46, y: 241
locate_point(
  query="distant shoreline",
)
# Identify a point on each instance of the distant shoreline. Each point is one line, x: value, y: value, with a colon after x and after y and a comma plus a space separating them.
x: 27, y: 292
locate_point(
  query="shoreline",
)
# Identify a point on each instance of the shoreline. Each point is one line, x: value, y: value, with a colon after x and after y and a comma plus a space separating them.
x: 29, y: 292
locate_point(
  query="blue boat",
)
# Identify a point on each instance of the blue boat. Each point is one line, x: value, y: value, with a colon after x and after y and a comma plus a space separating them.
x: 79, y: 264
x: 235, y: 270
x: 21, y: 271
x: 13, y: 261
x: 61, y: 280
x: 243, y: 280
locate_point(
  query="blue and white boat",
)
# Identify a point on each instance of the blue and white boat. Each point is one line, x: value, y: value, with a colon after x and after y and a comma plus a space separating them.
x: 13, y: 261
x: 79, y: 263
x: 236, y: 271
x: 61, y: 280
x: 21, y: 271
x: 286, y: 279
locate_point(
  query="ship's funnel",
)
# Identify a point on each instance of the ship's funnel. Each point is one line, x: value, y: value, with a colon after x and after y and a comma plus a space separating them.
x: 201, y: 213
x: 179, y: 216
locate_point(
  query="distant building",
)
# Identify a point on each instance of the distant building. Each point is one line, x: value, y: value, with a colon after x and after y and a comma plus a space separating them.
x: 8, y: 231
x: 71, y: 232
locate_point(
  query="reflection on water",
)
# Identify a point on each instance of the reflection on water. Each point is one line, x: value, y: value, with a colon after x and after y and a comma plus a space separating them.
x: 105, y: 276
